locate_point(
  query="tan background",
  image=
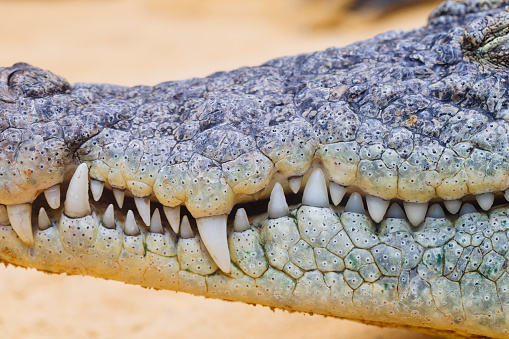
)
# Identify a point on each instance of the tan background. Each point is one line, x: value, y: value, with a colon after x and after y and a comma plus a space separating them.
x: 133, y: 42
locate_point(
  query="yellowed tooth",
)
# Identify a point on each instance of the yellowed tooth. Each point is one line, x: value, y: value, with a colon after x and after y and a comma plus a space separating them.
x: 76, y: 200
x: 173, y: 216
x: 295, y: 183
x: 43, y: 219
x: 4, y: 217
x: 143, y: 206
x: 119, y: 197
x: 96, y: 187
x: 131, y: 228
x: 20, y: 217
x: 52, y: 195
x: 213, y: 234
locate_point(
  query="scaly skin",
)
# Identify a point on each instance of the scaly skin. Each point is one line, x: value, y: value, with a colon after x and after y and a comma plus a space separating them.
x: 414, y: 116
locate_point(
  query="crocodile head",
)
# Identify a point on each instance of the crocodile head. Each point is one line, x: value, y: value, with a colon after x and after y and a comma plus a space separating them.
x: 367, y: 182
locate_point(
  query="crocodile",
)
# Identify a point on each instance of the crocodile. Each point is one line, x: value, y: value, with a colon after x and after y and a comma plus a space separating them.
x: 367, y: 182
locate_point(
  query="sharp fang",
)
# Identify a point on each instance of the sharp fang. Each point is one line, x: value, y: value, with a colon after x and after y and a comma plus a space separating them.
x: 119, y: 197
x: 130, y: 225
x: 173, y: 216
x: 315, y: 192
x: 20, y: 217
x: 43, y: 219
x: 109, y: 217
x: 376, y: 207
x: 213, y: 234
x: 156, y: 226
x: 185, y: 229
x: 453, y: 206
x: 277, y: 204
x: 506, y: 194
x: 76, y: 201
x: 337, y: 192
x: 355, y: 204
x: 435, y: 211
x: 295, y: 184
x: 52, y: 195
x: 4, y: 217
x: 467, y: 208
x: 96, y: 187
x: 143, y: 206
x: 241, y: 222
x: 395, y: 212
x: 485, y: 200
x: 415, y: 212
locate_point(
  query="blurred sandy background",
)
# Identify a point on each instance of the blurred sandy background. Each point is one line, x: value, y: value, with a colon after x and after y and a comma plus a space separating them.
x: 132, y: 42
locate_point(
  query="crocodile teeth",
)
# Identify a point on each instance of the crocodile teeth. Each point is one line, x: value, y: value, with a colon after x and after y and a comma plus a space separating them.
x: 277, y: 204
x: 119, y: 197
x: 295, y: 184
x: 109, y: 217
x: 185, y: 229
x: 130, y: 224
x: 76, y: 201
x: 173, y: 216
x: 376, y: 207
x: 96, y: 187
x: 337, y: 192
x: 453, y: 206
x: 213, y: 234
x: 435, y: 211
x: 4, y: 217
x: 20, y: 218
x: 355, y: 204
x: 52, y: 195
x: 485, y: 200
x: 143, y: 206
x: 43, y: 219
x: 315, y: 192
x: 241, y: 222
x: 395, y: 212
x: 467, y: 208
x: 415, y: 212
x: 156, y: 226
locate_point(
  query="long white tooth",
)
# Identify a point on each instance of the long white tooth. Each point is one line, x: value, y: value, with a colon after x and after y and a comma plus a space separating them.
x: 506, y: 194
x: 52, y: 195
x: 143, y: 206
x: 213, y: 234
x: 415, y: 212
x: 453, y: 206
x: 435, y: 211
x: 185, y: 229
x: 43, y: 219
x: 76, y: 200
x: 337, y: 192
x: 20, y: 217
x: 277, y: 204
x: 315, y: 192
x: 156, y: 226
x: 485, y: 200
x: 109, y: 217
x: 355, y: 204
x: 4, y: 217
x: 119, y: 196
x: 376, y: 207
x: 467, y: 208
x: 295, y: 184
x: 96, y: 187
x: 173, y: 216
x: 131, y: 228
x: 241, y: 222
x: 396, y: 212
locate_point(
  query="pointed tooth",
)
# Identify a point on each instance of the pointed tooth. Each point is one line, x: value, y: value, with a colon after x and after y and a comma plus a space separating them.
x: 173, y: 216
x: 277, y: 204
x: 143, y: 206
x: 295, y: 184
x: 186, y: 231
x: 96, y: 187
x: 43, y: 219
x: 241, y: 222
x: 4, y: 217
x: 355, y: 204
x: 213, y: 234
x: 156, y: 226
x: 109, y: 217
x: 415, y: 212
x: 376, y: 207
x: 337, y: 192
x: 453, y: 206
x: 395, y: 212
x: 506, y: 194
x: 76, y: 200
x: 52, y: 195
x: 315, y: 192
x: 131, y: 228
x: 119, y: 196
x: 20, y: 217
x: 435, y: 211
x: 467, y: 208
x: 485, y: 200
